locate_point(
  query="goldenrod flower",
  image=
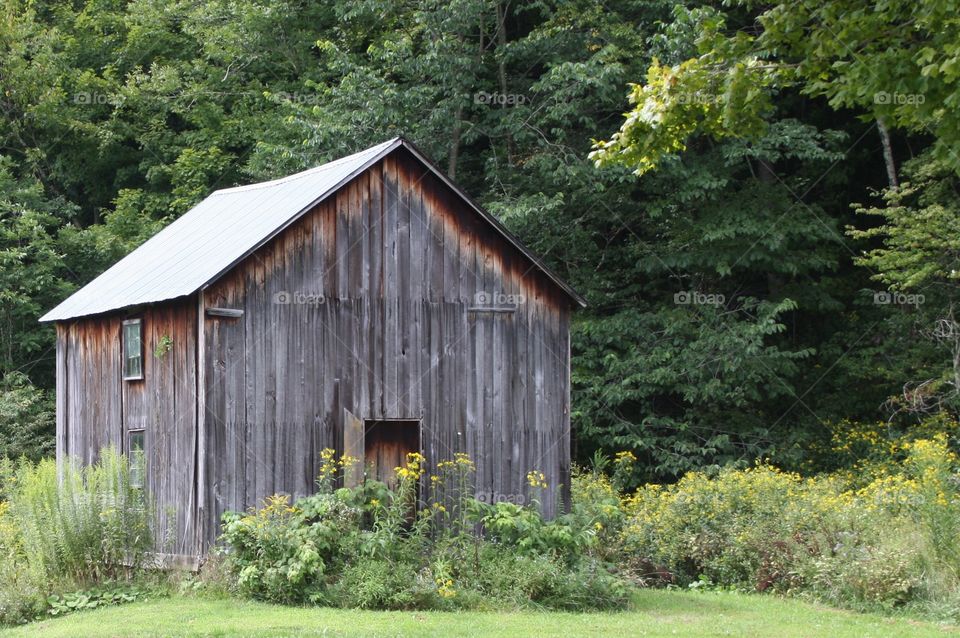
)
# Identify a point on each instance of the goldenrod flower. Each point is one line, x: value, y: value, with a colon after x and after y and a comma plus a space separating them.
x: 536, y: 479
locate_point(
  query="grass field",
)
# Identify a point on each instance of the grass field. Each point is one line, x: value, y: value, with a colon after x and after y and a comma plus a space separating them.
x: 655, y: 613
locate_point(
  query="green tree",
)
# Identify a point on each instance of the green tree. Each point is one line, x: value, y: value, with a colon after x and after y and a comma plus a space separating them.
x: 896, y: 63
x: 918, y: 262
x: 120, y: 116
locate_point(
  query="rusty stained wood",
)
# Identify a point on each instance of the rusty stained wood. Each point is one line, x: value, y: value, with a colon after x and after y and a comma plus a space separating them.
x: 386, y: 446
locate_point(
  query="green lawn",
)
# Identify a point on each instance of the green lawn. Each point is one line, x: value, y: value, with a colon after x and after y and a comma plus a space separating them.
x: 656, y: 613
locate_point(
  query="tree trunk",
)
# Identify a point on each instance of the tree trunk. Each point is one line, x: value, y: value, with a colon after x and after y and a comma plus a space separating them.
x: 502, y: 44
x: 454, y: 153
x: 887, y: 153
x: 502, y: 67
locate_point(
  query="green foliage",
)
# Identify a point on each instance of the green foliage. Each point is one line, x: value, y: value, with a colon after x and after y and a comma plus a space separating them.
x: 23, y: 588
x: 896, y: 63
x: 27, y: 421
x: 33, y: 273
x: 884, y: 540
x: 725, y: 92
x: 372, y: 547
x: 933, y: 469
x: 920, y: 221
x: 880, y: 545
x: 383, y: 584
x: 915, y: 256
x: 707, y: 370
x: 164, y: 345
x: 280, y: 553
x: 82, y: 528
x: 89, y: 524
x: 521, y: 580
x: 61, y: 604
x: 522, y: 529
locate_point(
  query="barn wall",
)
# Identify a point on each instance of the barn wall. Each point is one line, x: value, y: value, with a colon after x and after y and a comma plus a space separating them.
x: 95, y: 406
x: 88, y: 388
x: 366, y: 304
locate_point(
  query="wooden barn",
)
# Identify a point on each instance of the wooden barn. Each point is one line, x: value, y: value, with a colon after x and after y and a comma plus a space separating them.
x: 367, y: 305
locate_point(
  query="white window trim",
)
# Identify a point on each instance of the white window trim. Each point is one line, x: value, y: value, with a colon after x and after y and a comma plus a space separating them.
x: 123, y: 348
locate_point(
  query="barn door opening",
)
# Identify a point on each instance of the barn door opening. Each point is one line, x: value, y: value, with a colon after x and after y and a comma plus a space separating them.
x: 386, y: 445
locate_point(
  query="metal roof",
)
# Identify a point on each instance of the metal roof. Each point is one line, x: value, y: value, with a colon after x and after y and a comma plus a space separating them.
x: 209, y: 239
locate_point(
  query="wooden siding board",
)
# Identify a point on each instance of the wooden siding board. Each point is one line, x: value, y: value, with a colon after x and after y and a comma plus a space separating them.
x: 390, y: 339
x: 62, y: 400
x: 375, y: 232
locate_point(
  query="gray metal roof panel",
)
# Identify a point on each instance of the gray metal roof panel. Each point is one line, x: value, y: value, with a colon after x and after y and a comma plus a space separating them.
x: 217, y: 232
x: 231, y: 223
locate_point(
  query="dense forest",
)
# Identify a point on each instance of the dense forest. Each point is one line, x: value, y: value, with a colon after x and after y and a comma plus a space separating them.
x: 759, y: 201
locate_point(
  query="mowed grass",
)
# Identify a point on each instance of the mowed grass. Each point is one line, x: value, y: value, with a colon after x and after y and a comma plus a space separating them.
x: 655, y: 613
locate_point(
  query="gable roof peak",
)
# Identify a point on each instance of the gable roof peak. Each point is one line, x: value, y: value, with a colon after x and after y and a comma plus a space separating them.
x: 197, y: 248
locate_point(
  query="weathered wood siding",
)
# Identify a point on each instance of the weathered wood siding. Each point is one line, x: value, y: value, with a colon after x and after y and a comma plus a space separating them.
x: 395, y: 262
x: 89, y: 377
x: 96, y: 407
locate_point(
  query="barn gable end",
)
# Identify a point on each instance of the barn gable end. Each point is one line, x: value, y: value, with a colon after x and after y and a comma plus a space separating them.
x: 386, y: 295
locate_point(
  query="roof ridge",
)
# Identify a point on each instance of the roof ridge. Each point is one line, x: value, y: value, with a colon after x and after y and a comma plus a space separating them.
x: 305, y: 173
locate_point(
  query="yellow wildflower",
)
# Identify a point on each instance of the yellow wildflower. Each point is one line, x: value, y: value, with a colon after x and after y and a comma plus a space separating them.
x: 536, y: 479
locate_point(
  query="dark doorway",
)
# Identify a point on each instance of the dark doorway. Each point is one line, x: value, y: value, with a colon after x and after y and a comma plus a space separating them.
x: 386, y: 445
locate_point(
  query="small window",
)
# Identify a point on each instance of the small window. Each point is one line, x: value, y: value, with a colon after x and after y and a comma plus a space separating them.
x: 135, y: 455
x: 132, y: 349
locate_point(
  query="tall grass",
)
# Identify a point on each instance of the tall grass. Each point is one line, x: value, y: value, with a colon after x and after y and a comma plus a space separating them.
x: 88, y: 523
x: 69, y: 528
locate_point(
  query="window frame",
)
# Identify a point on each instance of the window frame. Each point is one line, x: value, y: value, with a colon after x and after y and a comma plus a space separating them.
x: 138, y: 466
x: 137, y: 321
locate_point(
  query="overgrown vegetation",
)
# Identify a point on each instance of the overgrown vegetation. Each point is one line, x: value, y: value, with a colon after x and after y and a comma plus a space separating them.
x: 882, y: 538
x: 426, y: 544
x: 60, y: 533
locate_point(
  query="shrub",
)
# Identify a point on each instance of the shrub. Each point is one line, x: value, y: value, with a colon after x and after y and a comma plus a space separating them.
x: 281, y: 552
x: 883, y: 543
x: 374, y: 547
x: 729, y: 529
x: 380, y: 584
x: 866, y: 576
x: 22, y: 587
x: 936, y: 496
x: 538, y: 580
